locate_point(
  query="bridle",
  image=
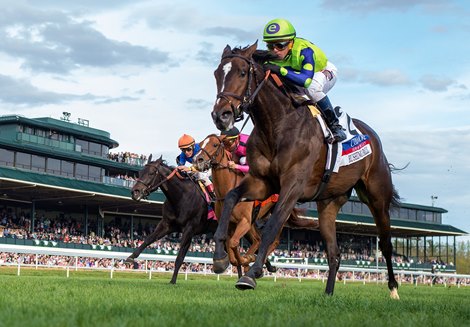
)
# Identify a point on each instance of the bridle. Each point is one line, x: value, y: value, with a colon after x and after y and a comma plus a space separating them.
x: 246, y: 100
x: 212, y: 161
x: 148, y: 187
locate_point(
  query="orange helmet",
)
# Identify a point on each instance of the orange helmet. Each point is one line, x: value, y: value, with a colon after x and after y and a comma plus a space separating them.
x: 185, y: 141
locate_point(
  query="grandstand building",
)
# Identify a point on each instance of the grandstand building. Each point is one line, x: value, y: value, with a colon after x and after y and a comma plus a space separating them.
x: 63, y: 169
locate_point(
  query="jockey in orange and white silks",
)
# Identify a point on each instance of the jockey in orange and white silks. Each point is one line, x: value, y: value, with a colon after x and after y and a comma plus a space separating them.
x: 304, y: 64
x: 235, y: 142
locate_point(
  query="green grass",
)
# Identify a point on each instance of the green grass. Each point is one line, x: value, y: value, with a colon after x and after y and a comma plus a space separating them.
x: 91, y: 298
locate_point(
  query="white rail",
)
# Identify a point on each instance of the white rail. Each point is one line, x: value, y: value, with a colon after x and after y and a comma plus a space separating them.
x: 416, y: 276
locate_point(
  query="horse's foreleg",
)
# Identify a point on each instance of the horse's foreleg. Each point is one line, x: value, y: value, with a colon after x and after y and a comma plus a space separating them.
x: 161, y: 230
x: 184, y: 247
x: 242, y: 228
x: 270, y: 232
x: 220, y: 259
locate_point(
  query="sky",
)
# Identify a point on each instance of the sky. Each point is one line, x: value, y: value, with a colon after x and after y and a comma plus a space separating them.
x: 143, y: 71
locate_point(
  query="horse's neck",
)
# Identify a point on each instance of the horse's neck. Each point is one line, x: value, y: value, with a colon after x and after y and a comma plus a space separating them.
x: 271, y: 107
x: 224, y: 179
x: 173, y: 187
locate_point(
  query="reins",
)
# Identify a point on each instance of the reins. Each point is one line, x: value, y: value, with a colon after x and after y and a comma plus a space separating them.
x: 156, y: 186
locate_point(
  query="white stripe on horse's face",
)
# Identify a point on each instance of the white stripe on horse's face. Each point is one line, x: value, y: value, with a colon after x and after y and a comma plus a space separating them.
x: 227, y: 68
x: 204, y: 144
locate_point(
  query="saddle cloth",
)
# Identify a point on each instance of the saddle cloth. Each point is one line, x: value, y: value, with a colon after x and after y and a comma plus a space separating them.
x: 356, y: 146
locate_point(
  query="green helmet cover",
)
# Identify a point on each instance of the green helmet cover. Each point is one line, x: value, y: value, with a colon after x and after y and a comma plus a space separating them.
x: 278, y: 29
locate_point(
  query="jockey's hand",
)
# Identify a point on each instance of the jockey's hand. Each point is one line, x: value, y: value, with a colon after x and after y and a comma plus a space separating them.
x: 184, y: 168
x: 232, y: 165
x: 275, y: 69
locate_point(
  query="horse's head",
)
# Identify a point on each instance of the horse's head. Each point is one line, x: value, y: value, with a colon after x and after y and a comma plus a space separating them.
x: 236, y: 78
x: 149, y: 176
x: 211, y: 153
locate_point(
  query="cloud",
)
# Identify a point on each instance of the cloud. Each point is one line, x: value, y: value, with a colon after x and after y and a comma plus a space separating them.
x: 436, y: 83
x: 388, y: 77
x: 367, y: 6
x: 199, y: 104
x: 55, y: 42
x: 22, y: 93
x: 231, y: 33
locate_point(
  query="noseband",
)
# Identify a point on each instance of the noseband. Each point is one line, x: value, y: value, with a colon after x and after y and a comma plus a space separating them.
x: 246, y: 100
x: 212, y: 161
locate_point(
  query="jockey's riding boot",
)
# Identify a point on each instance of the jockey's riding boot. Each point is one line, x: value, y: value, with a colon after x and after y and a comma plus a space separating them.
x: 332, y: 121
x: 210, y: 190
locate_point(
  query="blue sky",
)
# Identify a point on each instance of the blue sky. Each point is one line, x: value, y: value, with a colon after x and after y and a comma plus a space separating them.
x: 143, y: 70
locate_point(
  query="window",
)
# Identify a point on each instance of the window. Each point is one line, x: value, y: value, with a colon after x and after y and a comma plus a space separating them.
x: 7, y: 158
x: 23, y: 160
x: 104, y: 151
x: 41, y: 132
x: 83, y: 144
x: 94, y: 149
x: 81, y: 171
x: 66, y: 168
x: 53, y: 166
x: 38, y: 163
x: 95, y: 173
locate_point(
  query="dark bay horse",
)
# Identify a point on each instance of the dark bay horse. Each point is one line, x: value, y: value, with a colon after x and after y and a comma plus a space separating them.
x: 184, y: 210
x: 214, y: 156
x: 287, y: 155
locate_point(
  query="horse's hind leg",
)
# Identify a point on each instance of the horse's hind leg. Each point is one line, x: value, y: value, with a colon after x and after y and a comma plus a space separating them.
x: 184, y: 247
x: 380, y: 195
x: 382, y: 220
x: 254, y: 238
x: 327, y: 212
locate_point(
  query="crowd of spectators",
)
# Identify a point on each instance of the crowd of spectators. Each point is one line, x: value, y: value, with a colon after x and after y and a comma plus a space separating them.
x: 118, y: 234
x: 129, y: 158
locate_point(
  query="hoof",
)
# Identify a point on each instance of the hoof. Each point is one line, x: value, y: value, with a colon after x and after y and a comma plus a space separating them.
x: 246, y: 283
x: 129, y: 260
x: 394, y: 294
x: 220, y: 265
x: 271, y: 269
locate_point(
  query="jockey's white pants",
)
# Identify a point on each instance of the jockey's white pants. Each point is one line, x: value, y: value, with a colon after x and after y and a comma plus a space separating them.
x: 321, y: 84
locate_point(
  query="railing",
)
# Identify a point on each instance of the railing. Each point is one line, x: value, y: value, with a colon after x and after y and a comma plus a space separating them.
x: 349, y: 274
x: 426, y: 267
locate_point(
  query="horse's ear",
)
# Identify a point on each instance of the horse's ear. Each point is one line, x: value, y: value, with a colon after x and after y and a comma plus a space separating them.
x: 227, y: 50
x: 160, y: 159
x: 150, y: 158
x: 252, y: 48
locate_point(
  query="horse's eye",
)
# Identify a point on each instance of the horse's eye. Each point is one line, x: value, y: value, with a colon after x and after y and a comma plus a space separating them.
x: 243, y: 73
x: 215, y: 145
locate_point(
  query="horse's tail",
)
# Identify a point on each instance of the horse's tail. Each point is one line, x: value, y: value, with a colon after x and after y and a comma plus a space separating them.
x: 396, y: 200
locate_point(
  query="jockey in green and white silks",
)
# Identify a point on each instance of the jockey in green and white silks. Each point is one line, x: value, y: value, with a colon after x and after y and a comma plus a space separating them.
x: 304, y: 64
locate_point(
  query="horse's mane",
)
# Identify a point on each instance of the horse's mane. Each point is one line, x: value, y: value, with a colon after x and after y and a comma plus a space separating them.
x: 261, y: 56
x: 163, y: 162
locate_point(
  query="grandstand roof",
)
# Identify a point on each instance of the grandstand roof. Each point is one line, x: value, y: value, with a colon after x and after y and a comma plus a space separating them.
x: 47, y: 191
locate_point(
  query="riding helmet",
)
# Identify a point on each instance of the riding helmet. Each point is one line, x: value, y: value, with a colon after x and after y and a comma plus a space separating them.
x: 185, y: 141
x: 278, y: 29
x: 231, y: 133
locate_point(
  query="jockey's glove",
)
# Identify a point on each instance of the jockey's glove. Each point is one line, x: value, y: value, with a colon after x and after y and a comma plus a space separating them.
x: 275, y: 69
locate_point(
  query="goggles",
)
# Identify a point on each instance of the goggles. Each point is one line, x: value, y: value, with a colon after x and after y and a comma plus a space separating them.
x: 278, y: 45
x: 188, y: 149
